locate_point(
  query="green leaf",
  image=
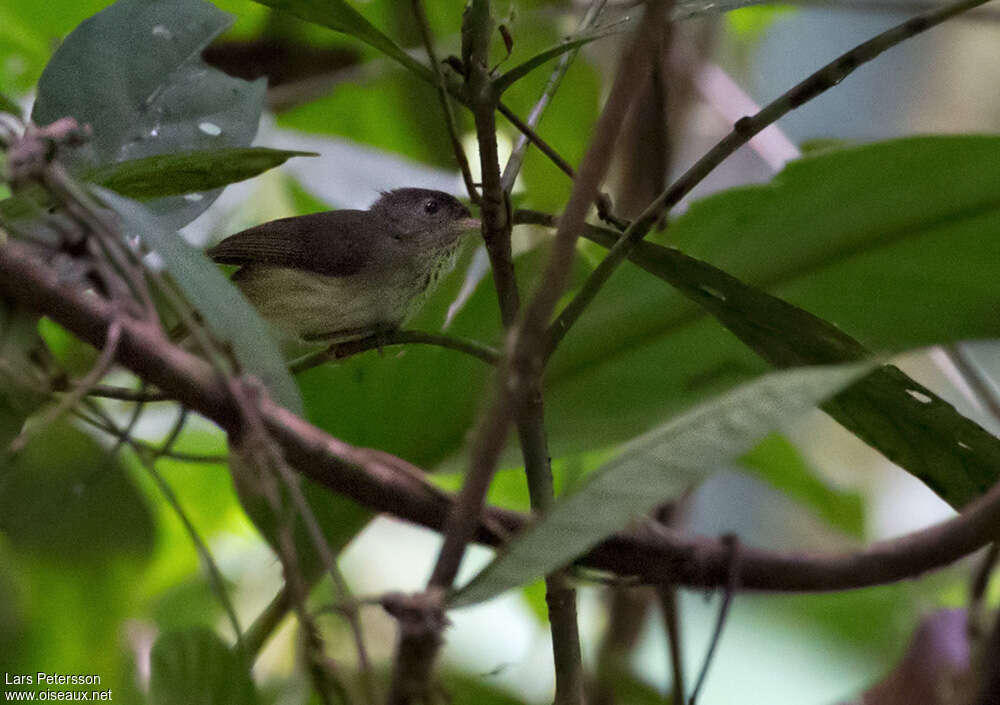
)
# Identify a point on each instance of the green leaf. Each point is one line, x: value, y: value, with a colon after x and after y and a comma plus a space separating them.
x: 64, y: 497
x: 653, y: 468
x: 515, y: 74
x: 341, y: 17
x: 896, y: 242
x: 194, y: 667
x: 165, y: 175
x: 189, y: 172
x: 224, y: 309
x: 779, y: 463
x: 133, y: 72
x: 902, y: 419
x: 894, y: 414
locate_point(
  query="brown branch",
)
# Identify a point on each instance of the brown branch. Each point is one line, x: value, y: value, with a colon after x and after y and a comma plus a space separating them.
x: 551, y: 86
x: 384, y: 483
x: 743, y: 130
x: 442, y: 89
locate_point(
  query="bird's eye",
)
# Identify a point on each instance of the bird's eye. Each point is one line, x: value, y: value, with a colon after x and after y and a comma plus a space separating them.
x: 431, y: 206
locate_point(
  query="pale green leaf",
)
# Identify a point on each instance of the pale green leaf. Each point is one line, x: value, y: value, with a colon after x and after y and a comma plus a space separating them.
x: 653, y: 468
x: 227, y: 313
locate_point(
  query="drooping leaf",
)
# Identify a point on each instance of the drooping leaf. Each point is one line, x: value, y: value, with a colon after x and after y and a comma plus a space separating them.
x: 893, y: 413
x: 227, y: 313
x: 189, y: 172
x: 194, y: 667
x: 164, y: 175
x: 133, y: 72
x: 653, y: 468
x: 339, y: 16
x: 64, y: 497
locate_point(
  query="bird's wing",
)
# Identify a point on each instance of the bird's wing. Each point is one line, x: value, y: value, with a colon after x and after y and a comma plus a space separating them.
x: 335, y: 243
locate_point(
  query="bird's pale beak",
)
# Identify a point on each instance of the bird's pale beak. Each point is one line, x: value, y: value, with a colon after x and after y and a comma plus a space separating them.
x: 470, y: 223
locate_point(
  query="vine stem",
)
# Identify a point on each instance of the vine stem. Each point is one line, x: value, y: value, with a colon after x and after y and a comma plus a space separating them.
x: 385, y: 483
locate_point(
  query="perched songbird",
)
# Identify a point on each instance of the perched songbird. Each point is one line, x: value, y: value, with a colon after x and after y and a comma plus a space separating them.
x: 347, y: 274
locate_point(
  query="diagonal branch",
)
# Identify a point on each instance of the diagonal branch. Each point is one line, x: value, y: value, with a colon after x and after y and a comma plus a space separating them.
x: 743, y: 130
x: 551, y: 86
x: 442, y: 89
x: 384, y: 483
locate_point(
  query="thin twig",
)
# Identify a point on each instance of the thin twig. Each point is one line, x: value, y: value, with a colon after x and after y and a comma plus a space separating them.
x: 267, y: 622
x: 263, y: 469
x: 340, y: 351
x: 349, y: 607
x: 670, y: 515
x: 105, y: 391
x: 528, y: 132
x: 120, y: 436
x: 148, y: 460
x: 743, y: 130
x: 215, y: 575
x: 442, y: 89
x: 175, y: 432
x: 672, y: 625
x: 552, y: 85
x: 732, y: 584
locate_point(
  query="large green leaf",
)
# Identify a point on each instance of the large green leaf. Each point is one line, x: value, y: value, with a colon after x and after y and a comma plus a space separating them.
x: 166, y: 175
x: 896, y: 243
x: 650, y: 469
x: 195, y: 667
x: 133, y: 72
x: 894, y: 414
x: 224, y: 309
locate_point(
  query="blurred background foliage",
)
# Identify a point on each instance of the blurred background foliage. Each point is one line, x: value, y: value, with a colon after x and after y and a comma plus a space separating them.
x: 96, y: 565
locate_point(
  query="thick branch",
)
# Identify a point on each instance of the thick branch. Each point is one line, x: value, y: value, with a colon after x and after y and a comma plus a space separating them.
x: 384, y: 483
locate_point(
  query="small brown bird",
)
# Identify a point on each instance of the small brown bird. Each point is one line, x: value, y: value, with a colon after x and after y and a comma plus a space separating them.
x: 347, y: 274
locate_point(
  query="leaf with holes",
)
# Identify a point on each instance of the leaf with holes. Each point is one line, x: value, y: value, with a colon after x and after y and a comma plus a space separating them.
x: 134, y: 73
